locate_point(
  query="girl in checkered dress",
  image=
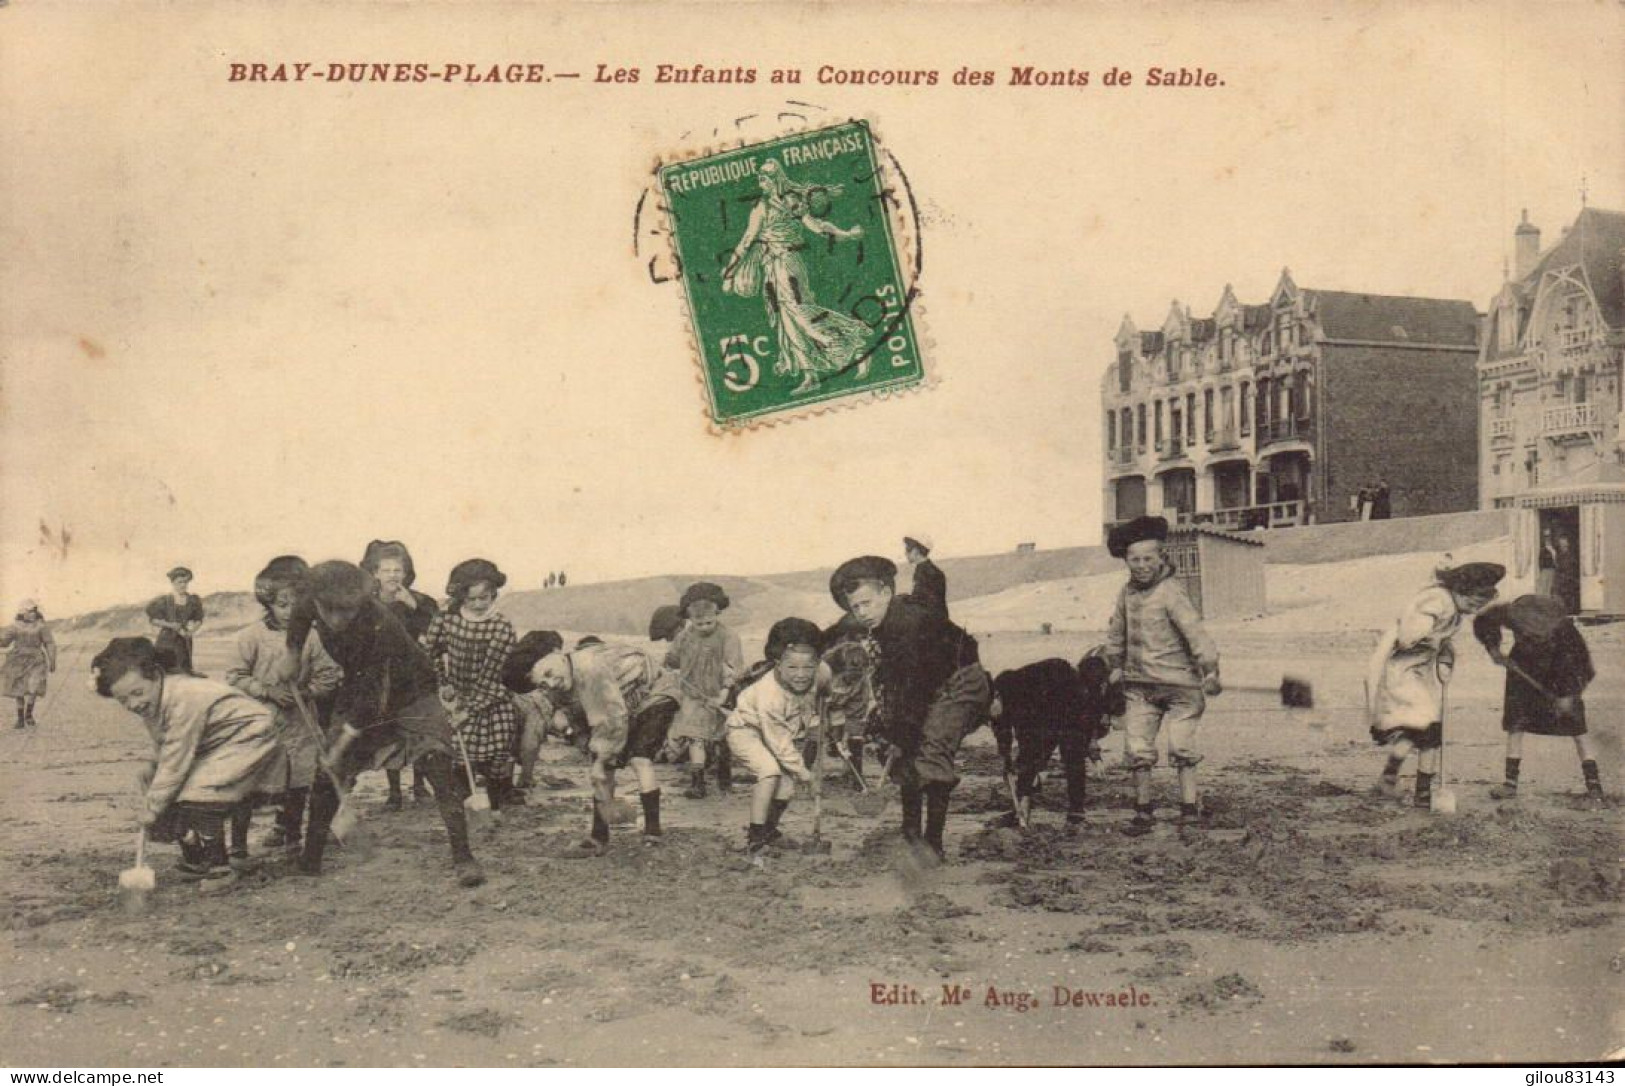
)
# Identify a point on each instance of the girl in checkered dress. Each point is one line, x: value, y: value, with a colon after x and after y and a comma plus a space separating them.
x: 469, y: 643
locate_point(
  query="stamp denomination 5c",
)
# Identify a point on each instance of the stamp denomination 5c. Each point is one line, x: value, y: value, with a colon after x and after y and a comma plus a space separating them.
x: 797, y: 290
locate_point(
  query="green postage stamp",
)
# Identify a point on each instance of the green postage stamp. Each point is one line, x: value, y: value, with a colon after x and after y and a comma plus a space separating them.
x: 798, y: 289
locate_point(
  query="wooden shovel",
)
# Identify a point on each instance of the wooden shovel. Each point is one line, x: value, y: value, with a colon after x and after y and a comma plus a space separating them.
x: 873, y: 802
x: 344, y: 819
x: 818, y: 845
x: 1443, y: 800
x: 135, y: 883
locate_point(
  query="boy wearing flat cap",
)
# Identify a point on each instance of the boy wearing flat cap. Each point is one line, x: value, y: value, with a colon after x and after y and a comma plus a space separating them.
x: 1160, y: 652
x: 1411, y: 666
x: 1547, y: 670
x: 930, y: 683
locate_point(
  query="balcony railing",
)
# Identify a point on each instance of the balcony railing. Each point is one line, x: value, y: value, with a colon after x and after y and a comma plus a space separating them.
x: 1574, y: 340
x: 1503, y: 428
x: 1274, y: 515
x: 1577, y: 418
x: 1224, y: 440
x: 1123, y: 455
x: 1288, y: 429
x: 1172, y: 449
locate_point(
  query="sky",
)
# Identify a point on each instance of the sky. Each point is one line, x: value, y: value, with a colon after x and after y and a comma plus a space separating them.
x: 238, y: 321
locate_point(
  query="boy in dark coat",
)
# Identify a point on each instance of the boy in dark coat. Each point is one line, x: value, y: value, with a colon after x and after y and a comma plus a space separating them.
x: 1047, y: 705
x: 931, y: 686
x: 388, y: 705
x: 1547, y: 670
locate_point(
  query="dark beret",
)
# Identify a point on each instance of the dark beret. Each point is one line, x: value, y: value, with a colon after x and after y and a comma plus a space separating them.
x: 787, y: 632
x: 1473, y: 578
x: 588, y: 641
x: 465, y: 575
x: 703, y: 590
x: 869, y: 567
x: 286, y: 571
x: 1124, y: 536
x: 179, y: 571
x: 1536, y: 617
x: 665, y: 622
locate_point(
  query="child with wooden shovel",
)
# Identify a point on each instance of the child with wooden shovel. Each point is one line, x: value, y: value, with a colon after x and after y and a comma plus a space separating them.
x: 1548, y: 669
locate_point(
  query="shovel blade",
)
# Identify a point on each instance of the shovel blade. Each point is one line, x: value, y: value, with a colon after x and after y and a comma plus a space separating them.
x: 344, y: 823
x: 479, y: 801
x: 1297, y: 693
x: 869, y: 804
x: 137, y: 878
x: 1444, y: 802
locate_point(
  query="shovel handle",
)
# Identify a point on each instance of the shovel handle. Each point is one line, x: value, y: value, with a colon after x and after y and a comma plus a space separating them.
x: 468, y: 766
x: 141, y: 847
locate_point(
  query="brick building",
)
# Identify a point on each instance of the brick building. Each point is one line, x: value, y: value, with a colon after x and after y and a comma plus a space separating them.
x: 1278, y: 414
x: 1549, y: 396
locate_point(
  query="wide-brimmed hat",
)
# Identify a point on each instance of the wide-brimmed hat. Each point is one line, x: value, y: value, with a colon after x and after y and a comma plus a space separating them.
x: 25, y: 606
x: 1138, y: 530
x: 702, y: 591
x: 1473, y: 578
x: 868, y: 567
x: 285, y: 571
x: 665, y: 622
x: 789, y: 632
x: 1536, y: 617
x: 465, y: 575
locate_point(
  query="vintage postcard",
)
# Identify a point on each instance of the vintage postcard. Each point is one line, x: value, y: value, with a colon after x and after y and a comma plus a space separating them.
x: 914, y: 535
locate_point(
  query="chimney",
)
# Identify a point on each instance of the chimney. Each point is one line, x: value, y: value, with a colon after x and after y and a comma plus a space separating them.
x: 1526, y: 248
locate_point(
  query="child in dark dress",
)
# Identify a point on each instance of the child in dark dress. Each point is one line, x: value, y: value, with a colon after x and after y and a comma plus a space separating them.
x: 390, y: 564
x: 1547, y: 670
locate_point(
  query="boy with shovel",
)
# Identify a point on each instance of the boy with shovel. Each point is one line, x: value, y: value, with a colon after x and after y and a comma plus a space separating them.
x: 1548, y: 669
x: 388, y: 704
x: 1411, y: 667
x: 771, y: 719
x: 931, y: 687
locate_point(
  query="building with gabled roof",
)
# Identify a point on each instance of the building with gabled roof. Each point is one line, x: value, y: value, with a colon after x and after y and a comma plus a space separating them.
x: 1549, y: 374
x: 1281, y: 413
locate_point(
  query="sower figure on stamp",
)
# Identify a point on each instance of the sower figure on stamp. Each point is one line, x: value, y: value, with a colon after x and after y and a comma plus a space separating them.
x: 629, y: 702
x: 769, y: 261
x: 388, y: 707
x: 1052, y: 705
x: 1548, y: 669
x: 1411, y: 665
x: 1168, y: 665
x: 930, y: 683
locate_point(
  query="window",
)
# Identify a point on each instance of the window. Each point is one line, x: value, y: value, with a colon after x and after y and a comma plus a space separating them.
x: 1246, y: 408
x: 1158, y: 434
x: 1207, y: 415
x: 1128, y: 427
x: 1125, y: 371
x: 1190, y: 418
x: 1111, y: 429
x: 1140, y: 440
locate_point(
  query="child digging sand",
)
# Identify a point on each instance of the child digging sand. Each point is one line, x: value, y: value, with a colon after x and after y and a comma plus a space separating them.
x: 707, y: 657
x: 1548, y: 669
x: 215, y: 749
x: 1410, y: 667
x: 266, y: 670
x: 1168, y: 666
x: 629, y: 707
x: 771, y: 718
x: 387, y: 705
x: 469, y: 644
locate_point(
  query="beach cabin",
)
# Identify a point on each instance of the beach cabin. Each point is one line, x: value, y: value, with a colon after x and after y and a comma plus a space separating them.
x: 1222, y: 572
